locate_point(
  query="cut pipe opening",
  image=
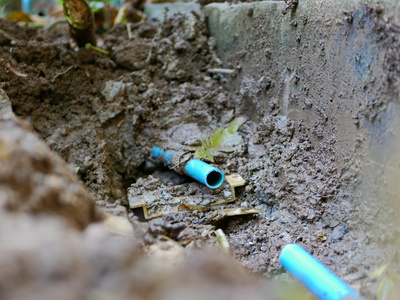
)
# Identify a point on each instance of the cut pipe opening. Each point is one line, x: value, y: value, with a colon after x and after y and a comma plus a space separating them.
x: 214, y: 179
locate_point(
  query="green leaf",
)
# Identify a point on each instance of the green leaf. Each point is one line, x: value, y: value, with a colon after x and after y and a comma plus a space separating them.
x: 204, y: 154
x: 223, y: 140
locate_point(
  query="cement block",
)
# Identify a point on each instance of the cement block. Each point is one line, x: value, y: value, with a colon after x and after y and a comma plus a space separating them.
x: 157, y: 11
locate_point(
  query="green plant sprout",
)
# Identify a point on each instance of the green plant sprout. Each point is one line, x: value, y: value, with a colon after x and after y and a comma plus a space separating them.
x: 223, y: 140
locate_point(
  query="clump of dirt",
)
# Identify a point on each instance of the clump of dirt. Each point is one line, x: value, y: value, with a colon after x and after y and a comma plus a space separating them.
x: 35, y: 180
x: 42, y: 258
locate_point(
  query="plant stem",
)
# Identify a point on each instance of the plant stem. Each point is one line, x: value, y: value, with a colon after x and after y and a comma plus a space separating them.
x: 91, y: 47
x: 81, y: 21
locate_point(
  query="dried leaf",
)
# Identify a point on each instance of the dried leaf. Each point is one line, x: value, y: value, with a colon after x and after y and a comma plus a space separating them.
x: 19, y: 16
x: 387, y: 284
x: 235, y: 124
x: 321, y: 236
x: 223, y: 241
x: 378, y: 272
x: 231, y: 212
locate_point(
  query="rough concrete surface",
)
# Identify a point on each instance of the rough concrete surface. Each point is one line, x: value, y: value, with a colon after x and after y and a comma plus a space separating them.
x: 329, y: 68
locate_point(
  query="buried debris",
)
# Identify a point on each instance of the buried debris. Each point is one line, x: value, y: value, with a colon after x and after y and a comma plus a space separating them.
x: 234, y: 181
x: 321, y: 236
x: 157, y: 199
x: 231, y: 212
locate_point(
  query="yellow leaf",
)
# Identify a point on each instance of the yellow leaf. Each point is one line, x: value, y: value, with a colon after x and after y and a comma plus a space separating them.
x: 386, y: 286
x: 19, y: 16
x: 321, y: 236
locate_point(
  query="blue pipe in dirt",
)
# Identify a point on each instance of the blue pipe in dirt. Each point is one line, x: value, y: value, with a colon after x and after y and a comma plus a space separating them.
x: 26, y: 5
x: 315, y: 276
x: 197, y: 169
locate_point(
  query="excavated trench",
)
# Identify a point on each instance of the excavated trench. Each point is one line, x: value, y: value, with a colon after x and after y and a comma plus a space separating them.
x: 311, y: 151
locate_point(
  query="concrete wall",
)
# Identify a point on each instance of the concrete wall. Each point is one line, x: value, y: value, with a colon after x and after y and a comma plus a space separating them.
x: 329, y: 65
x: 316, y: 55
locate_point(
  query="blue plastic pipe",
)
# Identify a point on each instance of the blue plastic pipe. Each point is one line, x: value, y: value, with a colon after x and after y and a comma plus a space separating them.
x: 204, y: 173
x: 166, y: 156
x: 316, y: 277
x: 197, y: 169
x: 26, y: 5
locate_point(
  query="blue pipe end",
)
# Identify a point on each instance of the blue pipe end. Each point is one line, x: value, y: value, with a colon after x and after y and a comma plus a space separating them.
x: 205, y: 173
x: 197, y: 169
x: 315, y: 276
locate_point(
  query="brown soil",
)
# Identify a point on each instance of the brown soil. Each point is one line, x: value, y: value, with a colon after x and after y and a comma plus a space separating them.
x: 102, y: 115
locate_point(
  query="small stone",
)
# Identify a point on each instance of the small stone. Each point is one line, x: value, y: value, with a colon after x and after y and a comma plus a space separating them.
x: 245, y: 205
x: 227, y: 194
x: 113, y: 89
x: 205, y: 202
x: 338, y: 233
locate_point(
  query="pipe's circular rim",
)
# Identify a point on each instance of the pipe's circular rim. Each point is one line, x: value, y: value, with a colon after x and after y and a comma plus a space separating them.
x: 214, y: 179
